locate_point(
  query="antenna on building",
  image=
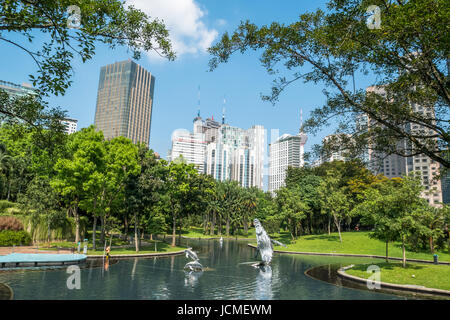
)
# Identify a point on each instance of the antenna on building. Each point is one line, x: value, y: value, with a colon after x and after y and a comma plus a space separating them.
x: 198, y: 112
x: 223, y: 110
x: 301, y: 120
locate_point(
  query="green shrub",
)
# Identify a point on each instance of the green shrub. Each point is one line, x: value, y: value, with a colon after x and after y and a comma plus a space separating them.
x: 10, y: 238
x: 64, y: 230
x: 4, y: 204
x: 10, y: 223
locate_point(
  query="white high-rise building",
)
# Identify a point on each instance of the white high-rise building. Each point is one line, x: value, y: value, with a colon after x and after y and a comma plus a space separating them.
x: 238, y: 155
x: 222, y: 151
x: 70, y: 124
x: 191, y: 146
x: 286, y: 151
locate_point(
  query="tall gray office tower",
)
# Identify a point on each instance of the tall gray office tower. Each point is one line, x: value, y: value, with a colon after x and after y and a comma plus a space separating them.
x: 125, y: 101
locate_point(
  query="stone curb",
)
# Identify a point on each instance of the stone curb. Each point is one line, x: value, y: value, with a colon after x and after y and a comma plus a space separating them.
x: 212, y: 238
x: 421, y: 289
x: 353, y: 255
x: 11, y: 297
x: 142, y: 255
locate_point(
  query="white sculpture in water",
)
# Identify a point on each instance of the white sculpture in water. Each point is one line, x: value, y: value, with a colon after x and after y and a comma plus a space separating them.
x: 193, y: 265
x: 264, y: 246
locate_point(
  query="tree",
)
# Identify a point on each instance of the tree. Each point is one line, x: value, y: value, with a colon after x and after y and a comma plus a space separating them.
x: 408, y: 53
x: 74, y: 173
x: 121, y: 161
x: 377, y: 212
x: 142, y: 191
x: 390, y: 207
x: 69, y: 29
x: 429, y: 227
x: 74, y: 27
x: 334, y: 200
x: 42, y: 201
x: 178, y: 184
x: 292, y: 209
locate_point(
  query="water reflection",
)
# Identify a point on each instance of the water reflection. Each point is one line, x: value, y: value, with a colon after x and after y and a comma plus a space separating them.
x: 264, y: 283
x: 228, y: 275
x: 191, y: 278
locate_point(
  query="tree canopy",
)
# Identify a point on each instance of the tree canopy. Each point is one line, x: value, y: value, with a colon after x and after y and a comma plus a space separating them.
x: 408, y: 54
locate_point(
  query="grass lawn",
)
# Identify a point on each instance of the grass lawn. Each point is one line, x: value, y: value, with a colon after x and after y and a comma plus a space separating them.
x: 162, y: 247
x: 353, y: 243
x: 197, y: 232
x: 147, y: 248
x: 430, y: 276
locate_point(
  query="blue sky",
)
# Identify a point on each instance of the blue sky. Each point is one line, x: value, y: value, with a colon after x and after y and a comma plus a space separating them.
x: 194, y: 24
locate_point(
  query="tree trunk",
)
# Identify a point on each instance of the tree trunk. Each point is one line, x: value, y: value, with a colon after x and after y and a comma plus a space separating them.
x: 77, y: 223
x: 431, y: 245
x: 136, y: 235
x: 387, y: 251
x: 126, y: 227
x: 219, y: 227
x: 174, y: 230
x: 94, y: 233
x: 102, y: 231
x: 404, y: 252
x: 9, y: 189
x: 338, y: 226
x: 206, y: 220
x: 329, y: 225
x: 213, y: 224
x: 245, y: 226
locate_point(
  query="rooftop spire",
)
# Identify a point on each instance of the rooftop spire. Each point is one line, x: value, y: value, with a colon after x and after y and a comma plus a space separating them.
x: 301, y: 120
x: 198, y: 112
x: 223, y: 110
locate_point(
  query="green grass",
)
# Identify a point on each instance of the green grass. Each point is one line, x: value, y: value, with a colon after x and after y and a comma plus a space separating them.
x: 162, y: 247
x: 353, y: 243
x: 148, y: 248
x: 430, y: 276
x: 197, y: 232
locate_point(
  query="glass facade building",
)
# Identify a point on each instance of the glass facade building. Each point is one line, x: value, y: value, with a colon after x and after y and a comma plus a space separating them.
x: 125, y: 101
x: 17, y: 90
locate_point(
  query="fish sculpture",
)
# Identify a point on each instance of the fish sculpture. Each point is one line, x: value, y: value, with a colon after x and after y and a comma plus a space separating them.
x: 264, y: 243
x: 193, y: 265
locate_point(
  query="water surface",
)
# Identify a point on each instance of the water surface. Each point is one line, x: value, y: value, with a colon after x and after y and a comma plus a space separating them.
x: 229, y: 276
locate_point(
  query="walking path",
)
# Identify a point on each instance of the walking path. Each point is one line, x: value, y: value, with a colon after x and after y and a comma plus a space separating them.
x: 29, y: 249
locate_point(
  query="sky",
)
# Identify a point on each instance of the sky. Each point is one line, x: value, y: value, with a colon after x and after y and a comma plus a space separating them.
x: 194, y: 25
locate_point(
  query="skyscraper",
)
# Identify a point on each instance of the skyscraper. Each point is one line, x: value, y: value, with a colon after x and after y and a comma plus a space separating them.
x: 222, y: 151
x: 286, y: 151
x: 394, y: 165
x: 17, y: 90
x: 192, y: 146
x: 125, y: 101
x: 238, y: 155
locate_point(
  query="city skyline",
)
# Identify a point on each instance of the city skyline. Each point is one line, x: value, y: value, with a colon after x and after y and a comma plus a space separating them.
x: 242, y: 80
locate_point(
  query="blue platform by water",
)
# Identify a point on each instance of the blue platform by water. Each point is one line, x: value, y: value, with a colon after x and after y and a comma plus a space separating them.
x: 39, y: 258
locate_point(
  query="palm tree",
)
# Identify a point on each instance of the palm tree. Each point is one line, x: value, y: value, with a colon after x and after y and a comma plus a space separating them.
x: 5, y: 166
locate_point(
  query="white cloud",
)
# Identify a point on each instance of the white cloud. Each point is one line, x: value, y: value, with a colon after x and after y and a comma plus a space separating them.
x: 221, y: 22
x: 183, y: 19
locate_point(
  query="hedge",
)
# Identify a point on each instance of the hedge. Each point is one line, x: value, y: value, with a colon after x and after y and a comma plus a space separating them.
x: 11, y: 238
